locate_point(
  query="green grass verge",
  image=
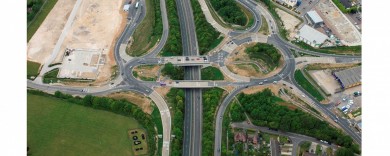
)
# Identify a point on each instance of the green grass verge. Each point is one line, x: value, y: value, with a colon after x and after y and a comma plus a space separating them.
x: 248, y: 14
x: 51, y: 76
x: 340, y: 50
x: 32, y: 69
x: 156, y: 117
x: 264, y: 26
x: 148, y: 31
x: 39, y: 18
x: 211, y: 73
x: 57, y: 127
x: 302, y: 81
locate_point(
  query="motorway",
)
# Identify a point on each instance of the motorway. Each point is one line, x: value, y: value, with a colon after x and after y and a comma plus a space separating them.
x: 193, y: 102
x: 192, y: 140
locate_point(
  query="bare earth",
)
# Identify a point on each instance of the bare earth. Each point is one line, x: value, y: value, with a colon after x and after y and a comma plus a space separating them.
x: 96, y: 26
x: 147, y: 71
x: 45, y: 38
x: 325, y: 80
x: 140, y: 100
x: 339, y: 23
x: 289, y: 21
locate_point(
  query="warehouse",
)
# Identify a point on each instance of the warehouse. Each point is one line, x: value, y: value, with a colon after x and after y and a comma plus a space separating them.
x: 311, y: 36
x: 349, y: 78
x: 314, y: 19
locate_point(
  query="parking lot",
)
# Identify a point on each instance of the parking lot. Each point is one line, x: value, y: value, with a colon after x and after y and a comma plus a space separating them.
x: 347, y: 101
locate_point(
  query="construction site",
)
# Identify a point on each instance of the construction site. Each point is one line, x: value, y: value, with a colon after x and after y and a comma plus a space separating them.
x: 86, y: 38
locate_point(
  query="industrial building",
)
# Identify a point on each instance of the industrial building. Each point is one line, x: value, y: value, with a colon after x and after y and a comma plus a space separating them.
x: 349, y: 78
x: 311, y: 36
x: 314, y: 19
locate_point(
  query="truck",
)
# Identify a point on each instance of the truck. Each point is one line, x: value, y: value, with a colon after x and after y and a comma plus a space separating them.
x: 136, y: 5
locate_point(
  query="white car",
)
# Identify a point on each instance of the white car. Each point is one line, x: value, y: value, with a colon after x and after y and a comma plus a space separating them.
x: 275, y: 82
x: 260, y: 83
x: 303, y: 95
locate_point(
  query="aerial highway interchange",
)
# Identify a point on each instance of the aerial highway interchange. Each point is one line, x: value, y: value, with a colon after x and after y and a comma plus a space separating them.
x: 125, y: 81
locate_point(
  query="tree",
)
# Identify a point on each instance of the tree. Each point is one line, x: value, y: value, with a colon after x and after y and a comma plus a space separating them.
x: 342, y: 151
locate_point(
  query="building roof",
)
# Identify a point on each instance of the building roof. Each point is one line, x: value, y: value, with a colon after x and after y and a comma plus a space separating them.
x: 312, y: 35
x: 349, y: 76
x: 314, y: 16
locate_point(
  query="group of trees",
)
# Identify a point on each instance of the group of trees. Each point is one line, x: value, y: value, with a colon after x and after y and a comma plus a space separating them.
x: 206, y: 34
x: 173, y: 46
x: 174, y: 72
x: 211, y: 98
x: 265, y: 52
x: 121, y: 107
x: 176, y: 100
x: 237, y: 113
x: 263, y: 111
x: 33, y: 7
x: 158, y: 26
x: 229, y: 11
x: 352, y: 9
x: 211, y: 73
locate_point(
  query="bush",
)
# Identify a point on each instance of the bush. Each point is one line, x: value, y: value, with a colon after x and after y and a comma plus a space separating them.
x: 229, y: 11
x: 173, y: 46
x: 266, y: 52
x: 175, y: 73
x: 211, y: 73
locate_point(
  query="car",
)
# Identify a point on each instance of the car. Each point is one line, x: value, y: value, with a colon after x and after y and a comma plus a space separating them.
x: 246, y: 86
x: 187, y: 58
x: 260, y: 83
x: 275, y: 82
x: 265, y: 80
x: 220, y: 117
x: 178, y: 59
x: 335, y: 121
x: 303, y: 95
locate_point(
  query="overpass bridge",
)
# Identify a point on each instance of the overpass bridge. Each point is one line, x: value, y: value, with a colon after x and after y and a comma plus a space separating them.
x: 177, y: 60
x: 196, y: 84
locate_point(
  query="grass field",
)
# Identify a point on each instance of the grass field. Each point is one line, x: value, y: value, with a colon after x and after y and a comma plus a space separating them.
x: 33, y: 26
x: 211, y: 73
x: 301, y: 80
x: 145, y: 37
x: 32, y: 68
x: 56, y: 127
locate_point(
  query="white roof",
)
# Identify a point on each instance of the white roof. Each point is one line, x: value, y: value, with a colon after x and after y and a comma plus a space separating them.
x: 126, y: 7
x: 314, y: 16
x: 312, y: 35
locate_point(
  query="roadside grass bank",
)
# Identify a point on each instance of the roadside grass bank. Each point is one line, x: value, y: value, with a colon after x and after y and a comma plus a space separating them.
x: 340, y: 50
x: 233, y: 14
x: 305, y: 84
x: 264, y: 26
x: 64, y: 125
x: 32, y: 69
x: 148, y: 31
x: 211, y: 73
x: 38, y: 17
